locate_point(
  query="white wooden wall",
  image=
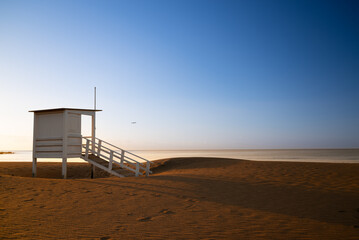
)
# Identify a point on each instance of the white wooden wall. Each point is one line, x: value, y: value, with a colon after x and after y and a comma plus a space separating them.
x: 55, y: 132
x: 73, y: 132
x: 48, y: 135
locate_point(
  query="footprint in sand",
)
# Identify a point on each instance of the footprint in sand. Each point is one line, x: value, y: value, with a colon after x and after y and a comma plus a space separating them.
x: 105, y: 238
x: 120, y: 228
x: 144, y: 219
x: 28, y: 200
x: 166, y: 211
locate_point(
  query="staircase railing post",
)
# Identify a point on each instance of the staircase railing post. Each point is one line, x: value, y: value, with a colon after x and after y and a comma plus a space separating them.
x: 111, y: 159
x: 99, y: 147
x: 137, y: 169
x: 87, y: 148
x: 122, y: 156
x: 147, y: 169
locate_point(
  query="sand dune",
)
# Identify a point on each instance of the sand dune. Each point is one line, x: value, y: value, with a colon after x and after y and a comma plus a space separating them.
x: 185, y: 198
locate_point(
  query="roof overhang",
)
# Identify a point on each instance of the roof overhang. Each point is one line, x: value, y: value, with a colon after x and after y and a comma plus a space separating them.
x: 73, y: 110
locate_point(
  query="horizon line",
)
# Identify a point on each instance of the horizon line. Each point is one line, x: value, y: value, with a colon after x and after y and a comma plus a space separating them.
x: 221, y: 149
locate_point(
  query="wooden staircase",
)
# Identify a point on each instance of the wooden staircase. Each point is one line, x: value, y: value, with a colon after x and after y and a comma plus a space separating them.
x: 114, y: 160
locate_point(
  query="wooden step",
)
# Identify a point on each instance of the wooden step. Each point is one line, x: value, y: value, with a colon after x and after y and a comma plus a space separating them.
x: 100, y: 163
x: 116, y: 169
x: 98, y: 160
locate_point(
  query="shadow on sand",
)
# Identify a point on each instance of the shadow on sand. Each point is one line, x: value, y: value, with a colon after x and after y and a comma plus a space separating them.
x: 287, y: 200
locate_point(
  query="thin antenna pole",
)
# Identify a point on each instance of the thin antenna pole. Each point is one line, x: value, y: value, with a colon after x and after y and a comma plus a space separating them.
x: 93, y: 133
x: 95, y: 100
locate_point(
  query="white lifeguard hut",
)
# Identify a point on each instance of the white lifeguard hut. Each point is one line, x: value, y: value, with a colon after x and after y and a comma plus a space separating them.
x: 57, y: 134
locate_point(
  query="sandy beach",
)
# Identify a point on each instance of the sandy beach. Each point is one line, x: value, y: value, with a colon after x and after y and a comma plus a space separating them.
x: 184, y: 198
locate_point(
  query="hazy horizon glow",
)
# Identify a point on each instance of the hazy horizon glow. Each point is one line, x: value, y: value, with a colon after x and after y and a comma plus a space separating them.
x: 192, y: 74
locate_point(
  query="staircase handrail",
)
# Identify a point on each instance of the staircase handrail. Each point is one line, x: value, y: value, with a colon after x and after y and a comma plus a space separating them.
x: 100, y: 145
x: 86, y: 137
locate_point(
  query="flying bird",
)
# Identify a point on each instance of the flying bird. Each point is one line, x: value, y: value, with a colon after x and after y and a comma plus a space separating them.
x: 133, y: 122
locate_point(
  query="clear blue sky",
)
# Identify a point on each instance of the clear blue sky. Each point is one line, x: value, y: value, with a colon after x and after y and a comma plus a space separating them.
x: 192, y: 74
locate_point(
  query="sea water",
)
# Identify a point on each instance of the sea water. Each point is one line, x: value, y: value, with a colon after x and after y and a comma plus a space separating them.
x: 288, y: 155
